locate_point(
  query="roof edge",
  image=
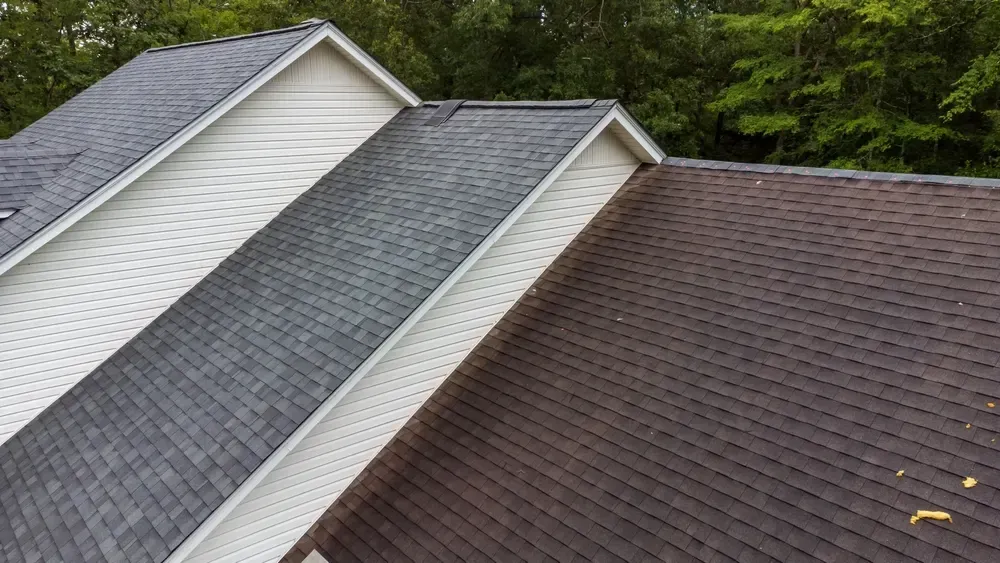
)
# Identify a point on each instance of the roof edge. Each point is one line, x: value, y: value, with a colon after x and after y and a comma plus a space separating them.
x: 296, y: 27
x: 833, y: 172
x: 268, y: 465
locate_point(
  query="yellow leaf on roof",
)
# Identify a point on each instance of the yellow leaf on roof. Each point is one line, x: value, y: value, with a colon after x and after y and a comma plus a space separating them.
x: 991, y: 405
x: 969, y: 482
x: 899, y: 473
x: 968, y: 426
x: 929, y: 515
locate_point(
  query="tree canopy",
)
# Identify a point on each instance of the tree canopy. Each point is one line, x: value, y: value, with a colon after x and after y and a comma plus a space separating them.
x: 897, y: 85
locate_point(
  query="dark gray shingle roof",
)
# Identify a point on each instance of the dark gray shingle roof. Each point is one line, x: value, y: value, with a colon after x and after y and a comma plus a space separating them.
x: 131, y: 112
x: 26, y: 167
x: 132, y: 459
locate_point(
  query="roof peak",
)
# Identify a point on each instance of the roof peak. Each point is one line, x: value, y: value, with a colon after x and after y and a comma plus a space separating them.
x: 528, y: 104
x: 833, y: 172
x: 313, y: 22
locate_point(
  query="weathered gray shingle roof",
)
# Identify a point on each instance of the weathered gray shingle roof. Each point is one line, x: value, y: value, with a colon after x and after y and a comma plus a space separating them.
x: 25, y: 167
x: 128, y: 114
x: 132, y: 459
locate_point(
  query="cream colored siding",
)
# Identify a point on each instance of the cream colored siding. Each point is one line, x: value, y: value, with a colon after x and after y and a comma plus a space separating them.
x: 276, y: 513
x: 76, y: 300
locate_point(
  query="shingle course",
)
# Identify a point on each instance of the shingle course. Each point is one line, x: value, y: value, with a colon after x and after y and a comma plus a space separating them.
x: 25, y: 167
x: 735, y: 361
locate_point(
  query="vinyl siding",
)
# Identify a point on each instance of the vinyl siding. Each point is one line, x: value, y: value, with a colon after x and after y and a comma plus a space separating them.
x: 77, y: 299
x: 283, y: 506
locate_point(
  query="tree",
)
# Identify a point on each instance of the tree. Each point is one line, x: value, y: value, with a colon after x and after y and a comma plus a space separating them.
x: 907, y: 85
x: 849, y: 83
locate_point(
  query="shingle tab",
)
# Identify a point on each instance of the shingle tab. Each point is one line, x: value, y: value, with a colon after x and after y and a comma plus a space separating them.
x: 727, y: 364
x: 26, y: 167
x: 128, y: 462
x: 122, y: 118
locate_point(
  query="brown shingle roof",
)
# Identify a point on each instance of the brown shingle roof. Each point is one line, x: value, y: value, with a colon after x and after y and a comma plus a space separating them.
x: 724, y: 366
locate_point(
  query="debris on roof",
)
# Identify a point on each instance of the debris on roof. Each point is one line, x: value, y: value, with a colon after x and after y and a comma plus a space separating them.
x: 929, y: 515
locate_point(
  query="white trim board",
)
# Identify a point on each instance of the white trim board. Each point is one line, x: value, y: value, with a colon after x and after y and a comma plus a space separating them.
x: 615, y: 116
x: 326, y: 32
x: 629, y: 132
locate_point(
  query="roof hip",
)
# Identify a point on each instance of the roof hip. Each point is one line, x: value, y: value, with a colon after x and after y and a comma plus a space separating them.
x: 833, y: 172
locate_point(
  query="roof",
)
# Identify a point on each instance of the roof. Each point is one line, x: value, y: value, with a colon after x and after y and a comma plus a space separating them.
x: 26, y: 167
x: 131, y: 460
x: 725, y: 365
x: 130, y: 112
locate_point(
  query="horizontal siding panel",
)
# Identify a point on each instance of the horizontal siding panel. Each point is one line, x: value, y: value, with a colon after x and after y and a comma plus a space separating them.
x: 120, y: 259
x: 76, y: 300
x: 125, y: 296
x: 484, y: 296
x: 248, y: 172
x: 55, y: 350
x: 289, y: 499
x: 195, y: 166
x: 241, y: 181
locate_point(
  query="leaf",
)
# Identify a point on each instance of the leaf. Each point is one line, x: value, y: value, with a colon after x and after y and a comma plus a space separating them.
x: 929, y: 515
x: 969, y: 482
x: 830, y: 86
x: 990, y: 405
x: 983, y: 75
x: 899, y: 473
x: 768, y: 124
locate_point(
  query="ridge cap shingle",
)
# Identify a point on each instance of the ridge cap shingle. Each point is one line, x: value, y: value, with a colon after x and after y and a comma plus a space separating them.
x: 819, y: 172
x: 297, y: 27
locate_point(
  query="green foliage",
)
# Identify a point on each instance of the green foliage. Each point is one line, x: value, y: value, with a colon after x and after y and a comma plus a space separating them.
x: 902, y: 85
x: 866, y: 83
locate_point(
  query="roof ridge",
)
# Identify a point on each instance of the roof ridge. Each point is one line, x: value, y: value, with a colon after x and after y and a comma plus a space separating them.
x: 820, y: 172
x: 529, y: 104
x: 296, y: 27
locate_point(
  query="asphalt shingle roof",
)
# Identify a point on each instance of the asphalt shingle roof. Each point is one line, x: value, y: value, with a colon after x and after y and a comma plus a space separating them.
x: 26, y: 167
x: 725, y: 366
x: 128, y: 114
x: 132, y: 459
